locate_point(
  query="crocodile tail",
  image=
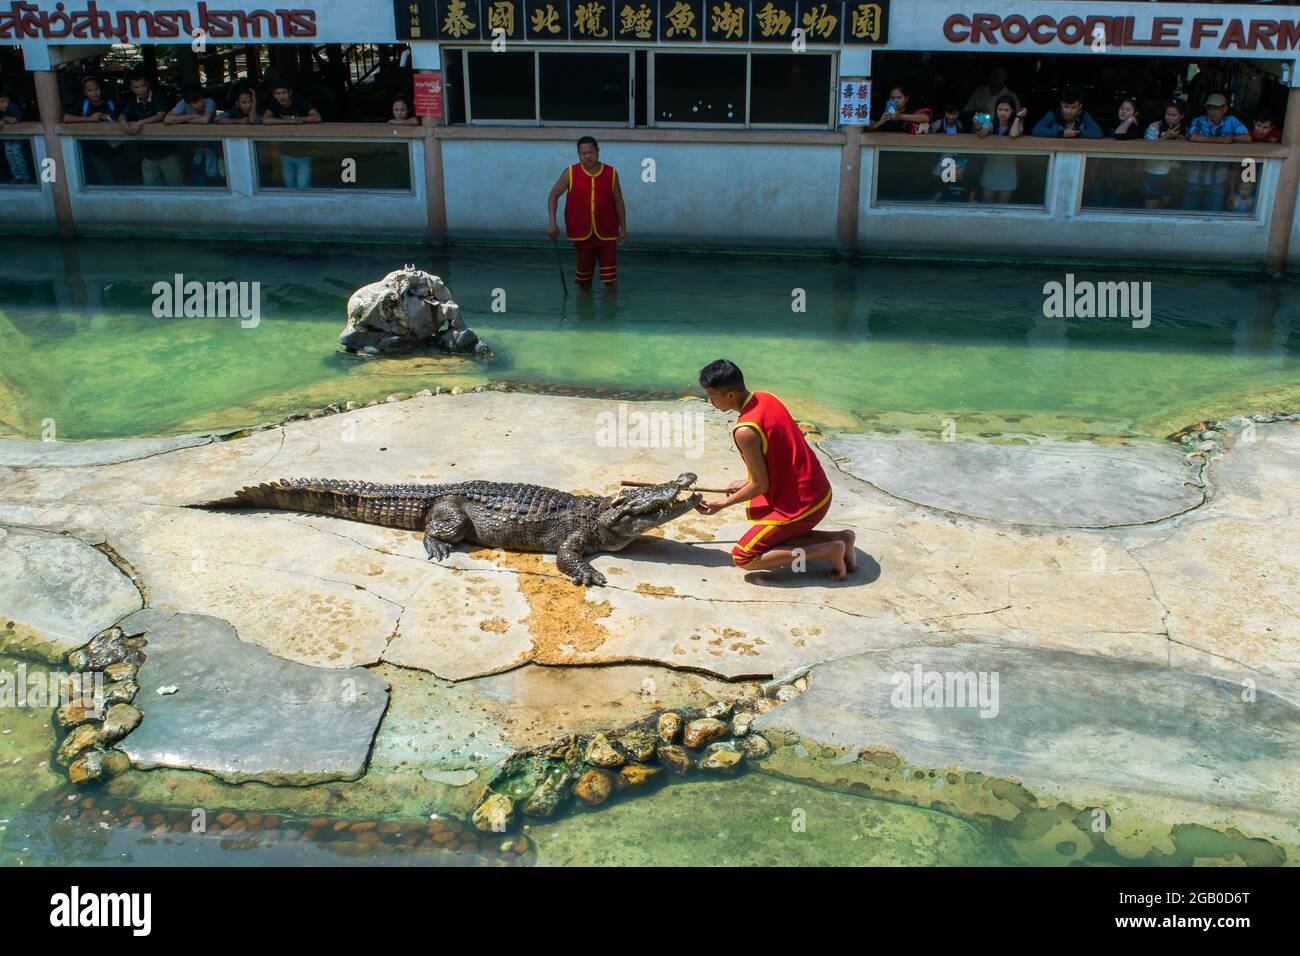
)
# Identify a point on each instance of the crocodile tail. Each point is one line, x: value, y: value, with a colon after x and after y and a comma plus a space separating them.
x: 394, y: 506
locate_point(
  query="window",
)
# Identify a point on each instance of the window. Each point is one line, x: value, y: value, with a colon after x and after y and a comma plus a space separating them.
x: 992, y: 178
x: 602, y: 96
x: 1170, y: 185
x: 18, y: 167
x: 312, y: 164
x: 146, y: 161
x: 700, y: 88
x: 502, y: 86
x: 791, y: 89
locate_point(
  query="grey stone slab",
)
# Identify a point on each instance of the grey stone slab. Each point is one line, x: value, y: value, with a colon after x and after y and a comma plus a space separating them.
x: 1069, y: 724
x: 18, y: 453
x: 1052, y: 484
x: 242, y: 714
x: 57, y: 592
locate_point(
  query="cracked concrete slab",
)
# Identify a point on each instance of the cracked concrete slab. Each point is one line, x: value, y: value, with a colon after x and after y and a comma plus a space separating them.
x: 1052, y: 484
x: 336, y: 593
x: 56, y: 593
x: 215, y: 704
x: 16, y: 453
x: 1035, y: 739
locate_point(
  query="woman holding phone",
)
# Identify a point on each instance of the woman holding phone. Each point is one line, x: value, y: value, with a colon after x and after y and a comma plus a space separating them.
x: 999, y: 180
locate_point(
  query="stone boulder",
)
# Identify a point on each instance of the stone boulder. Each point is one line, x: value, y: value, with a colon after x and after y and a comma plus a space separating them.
x: 407, y: 309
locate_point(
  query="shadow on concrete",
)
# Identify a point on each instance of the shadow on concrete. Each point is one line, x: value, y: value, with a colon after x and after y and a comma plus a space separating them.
x: 817, y: 574
x: 662, y: 551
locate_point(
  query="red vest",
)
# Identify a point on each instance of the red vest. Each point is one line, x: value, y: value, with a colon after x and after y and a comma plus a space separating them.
x: 796, y: 483
x: 589, y: 211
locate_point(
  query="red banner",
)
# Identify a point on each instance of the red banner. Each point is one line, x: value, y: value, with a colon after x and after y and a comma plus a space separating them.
x: 428, y: 93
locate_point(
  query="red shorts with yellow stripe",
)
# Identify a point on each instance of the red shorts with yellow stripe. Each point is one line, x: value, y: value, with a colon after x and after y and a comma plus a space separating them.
x: 589, y: 252
x: 761, y: 538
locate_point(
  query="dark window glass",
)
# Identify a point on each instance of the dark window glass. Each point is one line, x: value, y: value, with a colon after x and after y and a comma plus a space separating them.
x: 1172, y: 185
x: 792, y: 88
x: 454, y: 87
x: 642, y: 87
x: 153, y: 163
x: 600, y: 97
x: 18, y: 167
x: 958, y: 176
x: 700, y: 88
x: 501, y: 86
x: 311, y: 164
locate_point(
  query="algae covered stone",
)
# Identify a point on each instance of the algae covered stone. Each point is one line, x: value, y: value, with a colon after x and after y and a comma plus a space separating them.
x: 755, y: 746
x: 550, y: 793
x: 675, y: 758
x: 120, y: 720
x: 670, y: 725
x: 637, y: 744
x: 703, y: 731
x: 495, y: 814
x: 593, y: 787
x: 602, y: 753
x: 634, y: 775
x: 721, y: 758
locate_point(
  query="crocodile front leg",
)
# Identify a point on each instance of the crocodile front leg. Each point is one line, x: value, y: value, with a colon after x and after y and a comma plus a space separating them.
x: 572, y: 563
x: 445, y: 528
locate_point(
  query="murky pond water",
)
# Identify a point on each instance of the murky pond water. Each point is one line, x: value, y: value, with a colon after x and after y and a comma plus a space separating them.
x: 881, y: 345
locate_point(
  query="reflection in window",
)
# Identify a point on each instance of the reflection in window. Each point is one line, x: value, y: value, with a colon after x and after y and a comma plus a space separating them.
x: 605, y: 95
x: 312, y: 164
x: 1173, y: 185
x: 146, y: 161
x: 959, y: 176
x: 502, y: 86
x: 700, y: 88
x: 18, y: 168
x: 790, y: 88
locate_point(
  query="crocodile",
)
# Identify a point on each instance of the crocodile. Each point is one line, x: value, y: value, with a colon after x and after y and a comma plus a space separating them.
x: 493, y: 514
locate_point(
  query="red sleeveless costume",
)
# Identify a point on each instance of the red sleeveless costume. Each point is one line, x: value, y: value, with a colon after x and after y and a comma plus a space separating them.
x: 591, y: 221
x: 799, y: 493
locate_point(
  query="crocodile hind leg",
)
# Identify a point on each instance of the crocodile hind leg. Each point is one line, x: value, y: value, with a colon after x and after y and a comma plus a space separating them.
x: 573, y: 565
x: 445, y: 528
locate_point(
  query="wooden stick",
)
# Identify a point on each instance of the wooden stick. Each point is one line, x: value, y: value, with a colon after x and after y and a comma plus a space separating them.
x: 651, y: 484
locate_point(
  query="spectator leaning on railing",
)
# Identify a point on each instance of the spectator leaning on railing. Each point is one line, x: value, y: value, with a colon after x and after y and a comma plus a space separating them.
x: 243, y: 108
x: 11, y: 112
x: 1265, y: 128
x: 898, y: 117
x: 1207, y: 181
x: 95, y: 106
x: 287, y: 109
x: 402, y: 113
x: 194, y: 107
x: 1069, y: 120
x: 1158, y: 174
x: 160, y: 163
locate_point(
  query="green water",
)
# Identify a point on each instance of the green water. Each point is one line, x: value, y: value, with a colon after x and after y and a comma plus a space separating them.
x: 881, y: 346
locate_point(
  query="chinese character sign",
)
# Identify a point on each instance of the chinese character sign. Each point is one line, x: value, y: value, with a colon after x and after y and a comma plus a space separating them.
x: 415, y: 19
x: 866, y: 22
x: 855, y: 101
x: 547, y: 20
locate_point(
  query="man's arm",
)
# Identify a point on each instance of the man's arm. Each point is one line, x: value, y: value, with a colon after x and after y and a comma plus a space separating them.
x: 750, y: 445
x: 622, y: 212
x: 1046, y: 126
x: 553, y: 202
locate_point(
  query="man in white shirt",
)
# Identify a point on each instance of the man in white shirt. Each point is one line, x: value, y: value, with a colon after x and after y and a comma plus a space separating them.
x: 986, y: 97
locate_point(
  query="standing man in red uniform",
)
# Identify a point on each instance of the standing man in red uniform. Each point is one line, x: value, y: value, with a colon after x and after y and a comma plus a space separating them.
x: 594, y: 216
x: 786, y: 492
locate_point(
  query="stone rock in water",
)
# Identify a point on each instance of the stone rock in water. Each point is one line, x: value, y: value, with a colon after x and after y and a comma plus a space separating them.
x: 702, y: 731
x: 670, y: 726
x: 741, y: 723
x: 755, y: 746
x: 406, y: 309
x: 675, y: 758
x: 593, y: 787
x: 638, y: 744
x: 122, y: 692
x: 76, y: 743
x: 548, y: 796
x: 634, y: 775
x: 495, y: 814
x: 122, y: 671
x: 721, y: 758
x: 719, y: 708
x: 78, y: 712
x: 602, y: 753
x: 120, y: 720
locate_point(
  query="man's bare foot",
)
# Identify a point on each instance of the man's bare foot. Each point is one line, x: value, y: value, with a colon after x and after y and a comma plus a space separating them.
x: 836, y: 557
x: 850, y: 553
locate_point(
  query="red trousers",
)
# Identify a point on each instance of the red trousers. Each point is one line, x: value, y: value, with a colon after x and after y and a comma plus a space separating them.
x: 589, y: 250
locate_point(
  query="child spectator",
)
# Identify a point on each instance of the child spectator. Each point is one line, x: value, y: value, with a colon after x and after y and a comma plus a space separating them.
x: 898, y: 118
x: 1207, y: 181
x: 1069, y: 120
x: 951, y: 123
x: 1157, y: 174
x: 193, y: 107
x: 286, y: 108
x: 1243, y: 200
x: 999, y: 179
x: 242, y: 109
x: 95, y: 106
x: 1265, y: 128
x: 10, y: 112
x: 402, y: 113
x: 950, y: 171
x: 1127, y: 126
